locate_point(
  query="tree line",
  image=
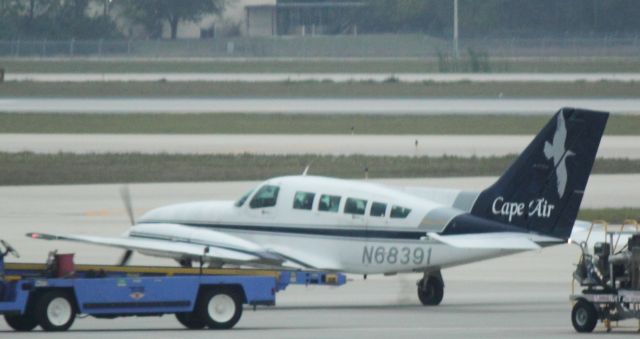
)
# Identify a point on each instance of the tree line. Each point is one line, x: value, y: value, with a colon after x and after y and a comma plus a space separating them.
x: 505, y: 18
x: 100, y: 19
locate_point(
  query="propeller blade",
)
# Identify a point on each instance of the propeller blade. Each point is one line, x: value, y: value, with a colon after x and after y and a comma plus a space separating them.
x: 125, y: 194
x: 126, y: 257
x: 10, y: 248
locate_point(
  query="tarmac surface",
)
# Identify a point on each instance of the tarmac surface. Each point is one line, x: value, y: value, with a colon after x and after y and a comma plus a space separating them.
x: 391, y: 145
x: 333, y: 77
x: 520, y: 296
x: 315, y: 106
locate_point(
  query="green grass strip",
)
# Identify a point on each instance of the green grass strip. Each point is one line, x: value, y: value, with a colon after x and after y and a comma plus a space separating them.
x: 67, y: 168
x: 307, y: 66
x: 290, y: 124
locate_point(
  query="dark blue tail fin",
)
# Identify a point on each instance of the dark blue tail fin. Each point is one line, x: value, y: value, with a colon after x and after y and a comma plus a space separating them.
x: 542, y: 190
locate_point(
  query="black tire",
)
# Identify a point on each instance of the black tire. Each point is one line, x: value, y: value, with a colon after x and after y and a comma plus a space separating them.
x: 190, y: 320
x: 584, y: 317
x: 21, y: 322
x: 220, y: 309
x: 432, y: 293
x: 55, y: 311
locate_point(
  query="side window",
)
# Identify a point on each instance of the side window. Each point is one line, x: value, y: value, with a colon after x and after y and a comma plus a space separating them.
x: 267, y: 196
x: 400, y: 212
x: 378, y: 209
x: 303, y: 200
x: 355, y: 206
x: 329, y: 203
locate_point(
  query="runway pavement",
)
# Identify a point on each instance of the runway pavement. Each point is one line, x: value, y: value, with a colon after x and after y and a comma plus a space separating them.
x: 333, y: 77
x: 521, y: 296
x: 315, y: 106
x: 392, y: 145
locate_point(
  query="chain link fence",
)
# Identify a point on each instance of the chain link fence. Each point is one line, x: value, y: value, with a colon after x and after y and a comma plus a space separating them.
x: 363, y: 46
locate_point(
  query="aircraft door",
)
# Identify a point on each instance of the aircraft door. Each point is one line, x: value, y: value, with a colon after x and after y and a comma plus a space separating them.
x: 377, y: 216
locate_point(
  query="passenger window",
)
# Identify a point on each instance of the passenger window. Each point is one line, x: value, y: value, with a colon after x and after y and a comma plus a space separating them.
x: 329, y: 203
x: 303, y: 200
x: 266, y: 196
x: 400, y: 212
x: 242, y: 199
x: 378, y: 209
x: 355, y: 206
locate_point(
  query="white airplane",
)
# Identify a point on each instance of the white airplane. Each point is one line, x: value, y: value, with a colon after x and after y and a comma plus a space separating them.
x: 309, y: 222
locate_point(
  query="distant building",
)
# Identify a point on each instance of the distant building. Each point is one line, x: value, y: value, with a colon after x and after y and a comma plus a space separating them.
x: 260, y: 18
x: 228, y: 23
x: 320, y: 17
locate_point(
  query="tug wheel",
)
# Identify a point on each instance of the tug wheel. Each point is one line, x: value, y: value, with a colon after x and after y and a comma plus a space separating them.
x: 54, y: 311
x: 220, y: 309
x: 584, y: 316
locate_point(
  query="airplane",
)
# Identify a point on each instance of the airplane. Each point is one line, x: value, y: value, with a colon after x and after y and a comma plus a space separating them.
x: 352, y: 226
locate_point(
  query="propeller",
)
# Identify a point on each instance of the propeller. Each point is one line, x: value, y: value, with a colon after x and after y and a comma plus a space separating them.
x: 9, y: 248
x: 125, y: 195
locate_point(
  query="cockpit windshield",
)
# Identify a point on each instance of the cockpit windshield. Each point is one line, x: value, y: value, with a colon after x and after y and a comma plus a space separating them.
x: 243, y: 198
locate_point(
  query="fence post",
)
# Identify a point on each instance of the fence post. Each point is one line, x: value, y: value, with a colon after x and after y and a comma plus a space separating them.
x: 71, y: 46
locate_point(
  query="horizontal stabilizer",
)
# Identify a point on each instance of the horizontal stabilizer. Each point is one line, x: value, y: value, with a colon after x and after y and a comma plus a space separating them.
x: 502, y: 241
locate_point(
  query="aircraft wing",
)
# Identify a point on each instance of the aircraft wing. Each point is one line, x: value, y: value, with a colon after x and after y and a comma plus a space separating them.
x: 498, y: 240
x: 180, y: 248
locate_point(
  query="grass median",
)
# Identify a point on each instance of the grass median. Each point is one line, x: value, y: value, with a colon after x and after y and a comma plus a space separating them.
x: 291, y: 124
x: 389, y: 88
x: 67, y: 168
x: 186, y: 65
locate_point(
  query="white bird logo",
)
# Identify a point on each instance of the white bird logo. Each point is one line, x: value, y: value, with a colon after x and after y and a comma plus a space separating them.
x: 559, y: 154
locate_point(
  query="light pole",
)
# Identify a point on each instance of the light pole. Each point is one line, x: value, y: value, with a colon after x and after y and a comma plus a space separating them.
x: 456, y: 51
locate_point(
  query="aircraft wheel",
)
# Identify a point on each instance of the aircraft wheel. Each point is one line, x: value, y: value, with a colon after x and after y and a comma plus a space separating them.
x: 220, y: 309
x: 190, y: 320
x: 431, y: 293
x: 55, y: 311
x: 21, y: 322
x: 584, y: 317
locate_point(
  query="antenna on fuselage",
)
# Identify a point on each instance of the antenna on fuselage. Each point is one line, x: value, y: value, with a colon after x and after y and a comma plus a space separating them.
x: 306, y: 170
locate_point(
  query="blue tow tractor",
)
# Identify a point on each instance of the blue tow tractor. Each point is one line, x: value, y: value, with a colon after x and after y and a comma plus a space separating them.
x: 50, y: 295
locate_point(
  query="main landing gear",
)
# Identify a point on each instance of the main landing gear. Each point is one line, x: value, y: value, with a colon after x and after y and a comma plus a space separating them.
x: 431, y: 288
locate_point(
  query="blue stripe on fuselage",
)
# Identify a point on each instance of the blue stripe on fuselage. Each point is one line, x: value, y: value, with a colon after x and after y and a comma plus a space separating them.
x: 347, y: 232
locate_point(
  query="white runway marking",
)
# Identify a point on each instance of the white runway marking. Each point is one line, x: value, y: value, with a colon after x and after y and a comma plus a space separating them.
x: 379, y: 145
x: 314, y: 106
